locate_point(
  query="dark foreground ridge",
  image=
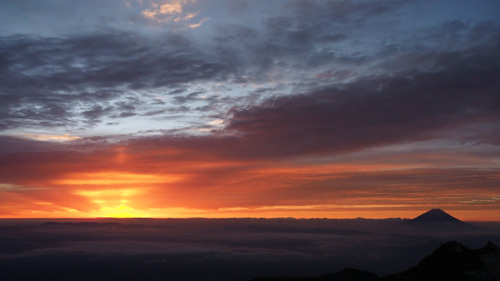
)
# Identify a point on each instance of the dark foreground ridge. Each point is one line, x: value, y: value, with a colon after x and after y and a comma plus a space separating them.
x: 452, y: 261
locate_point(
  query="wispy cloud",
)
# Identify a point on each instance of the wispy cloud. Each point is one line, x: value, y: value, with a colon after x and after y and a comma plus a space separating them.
x: 175, y: 11
x: 49, y: 137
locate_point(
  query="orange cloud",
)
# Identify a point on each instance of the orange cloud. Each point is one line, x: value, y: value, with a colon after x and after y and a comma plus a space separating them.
x: 178, y: 179
x: 49, y: 137
x: 173, y: 11
x: 114, y: 178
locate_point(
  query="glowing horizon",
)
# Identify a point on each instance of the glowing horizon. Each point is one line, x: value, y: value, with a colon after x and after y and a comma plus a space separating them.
x: 200, y: 108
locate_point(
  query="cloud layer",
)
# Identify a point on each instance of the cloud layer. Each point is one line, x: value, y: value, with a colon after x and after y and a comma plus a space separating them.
x: 219, y: 249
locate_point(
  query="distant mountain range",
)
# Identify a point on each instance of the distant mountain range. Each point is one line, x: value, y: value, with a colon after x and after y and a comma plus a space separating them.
x: 452, y: 261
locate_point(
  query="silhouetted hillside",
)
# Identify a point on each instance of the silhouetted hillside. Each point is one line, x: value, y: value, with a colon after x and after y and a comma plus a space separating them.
x: 455, y: 262
x: 450, y: 262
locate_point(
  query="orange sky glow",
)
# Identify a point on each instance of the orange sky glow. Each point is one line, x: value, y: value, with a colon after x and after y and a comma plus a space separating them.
x: 156, y: 184
x: 283, y: 108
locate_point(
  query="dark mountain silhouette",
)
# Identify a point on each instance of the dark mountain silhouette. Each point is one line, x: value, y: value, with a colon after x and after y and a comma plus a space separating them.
x: 437, y: 220
x: 452, y: 261
x: 436, y: 215
x: 455, y: 262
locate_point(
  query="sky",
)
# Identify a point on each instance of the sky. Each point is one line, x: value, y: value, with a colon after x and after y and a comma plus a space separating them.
x: 223, y: 108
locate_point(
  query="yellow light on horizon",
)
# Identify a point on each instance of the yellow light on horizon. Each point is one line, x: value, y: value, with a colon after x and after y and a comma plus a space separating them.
x: 109, y: 193
x: 121, y: 211
x: 113, y: 178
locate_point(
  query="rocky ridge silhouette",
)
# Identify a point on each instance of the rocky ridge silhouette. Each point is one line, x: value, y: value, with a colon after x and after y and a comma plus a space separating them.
x: 452, y: 261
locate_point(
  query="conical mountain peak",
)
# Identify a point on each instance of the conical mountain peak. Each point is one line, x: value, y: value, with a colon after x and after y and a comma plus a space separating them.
x: 436, y: 215
x: 437, y: 220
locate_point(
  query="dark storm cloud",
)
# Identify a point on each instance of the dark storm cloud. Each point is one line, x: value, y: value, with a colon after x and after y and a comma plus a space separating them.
x: 52, y: 79
x: 440, y: 95
x: 456, y: 99
x: 462, y: 89
x: 58, y: 81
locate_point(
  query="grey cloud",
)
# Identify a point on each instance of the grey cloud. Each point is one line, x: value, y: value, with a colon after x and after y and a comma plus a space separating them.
x: 305, y: 35
x: 14, y: 145
x: 455, y: 100
x: 191, y: 97
x: 460, y: 90
x: 59, y: 81
x: 96, y: 112
x: 345, y: 11
x: 45, y: 79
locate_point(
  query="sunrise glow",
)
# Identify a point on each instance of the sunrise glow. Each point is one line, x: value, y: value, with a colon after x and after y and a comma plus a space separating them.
x: 216, y: 109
